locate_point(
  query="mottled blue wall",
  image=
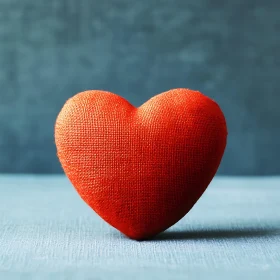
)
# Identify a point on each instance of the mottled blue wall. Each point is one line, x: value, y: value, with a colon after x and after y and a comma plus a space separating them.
x: 50, y: 50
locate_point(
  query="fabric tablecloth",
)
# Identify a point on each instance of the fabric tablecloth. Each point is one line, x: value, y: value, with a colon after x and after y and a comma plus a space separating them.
x: 48, y: 232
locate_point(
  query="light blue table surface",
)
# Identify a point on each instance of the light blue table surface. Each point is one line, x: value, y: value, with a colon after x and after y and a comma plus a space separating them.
x: 48, y: 232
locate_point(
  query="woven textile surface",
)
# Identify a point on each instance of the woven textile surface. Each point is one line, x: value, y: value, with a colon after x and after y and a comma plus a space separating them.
x: 141, y: 169
x: 48, y: 233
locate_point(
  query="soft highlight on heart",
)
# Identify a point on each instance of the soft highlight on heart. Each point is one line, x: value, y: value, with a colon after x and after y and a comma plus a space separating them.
x: 141, y: 169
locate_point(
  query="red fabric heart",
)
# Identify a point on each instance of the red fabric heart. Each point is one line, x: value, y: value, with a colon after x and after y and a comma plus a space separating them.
x: 141, y: 169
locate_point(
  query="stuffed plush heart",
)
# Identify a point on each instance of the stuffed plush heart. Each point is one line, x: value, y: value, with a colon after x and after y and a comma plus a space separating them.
x: 141, y: 169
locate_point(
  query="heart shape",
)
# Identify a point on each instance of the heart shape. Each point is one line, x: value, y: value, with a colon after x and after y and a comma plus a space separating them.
x: 141, y: 169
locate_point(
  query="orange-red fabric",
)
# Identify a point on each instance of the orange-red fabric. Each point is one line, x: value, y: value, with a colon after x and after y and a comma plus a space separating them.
x: 141, y: 169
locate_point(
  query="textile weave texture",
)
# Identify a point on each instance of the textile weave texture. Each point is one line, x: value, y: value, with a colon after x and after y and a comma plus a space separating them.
x: 48, y: 233
x: 141, y: 169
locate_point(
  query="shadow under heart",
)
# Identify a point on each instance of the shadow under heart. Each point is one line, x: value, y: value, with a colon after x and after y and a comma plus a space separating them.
x: 217, y: 233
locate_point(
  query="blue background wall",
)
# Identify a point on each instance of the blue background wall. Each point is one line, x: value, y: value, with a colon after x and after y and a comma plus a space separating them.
x: 50, y: 50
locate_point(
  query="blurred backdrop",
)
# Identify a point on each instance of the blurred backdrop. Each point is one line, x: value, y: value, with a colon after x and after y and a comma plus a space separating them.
x: 50, y: 50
